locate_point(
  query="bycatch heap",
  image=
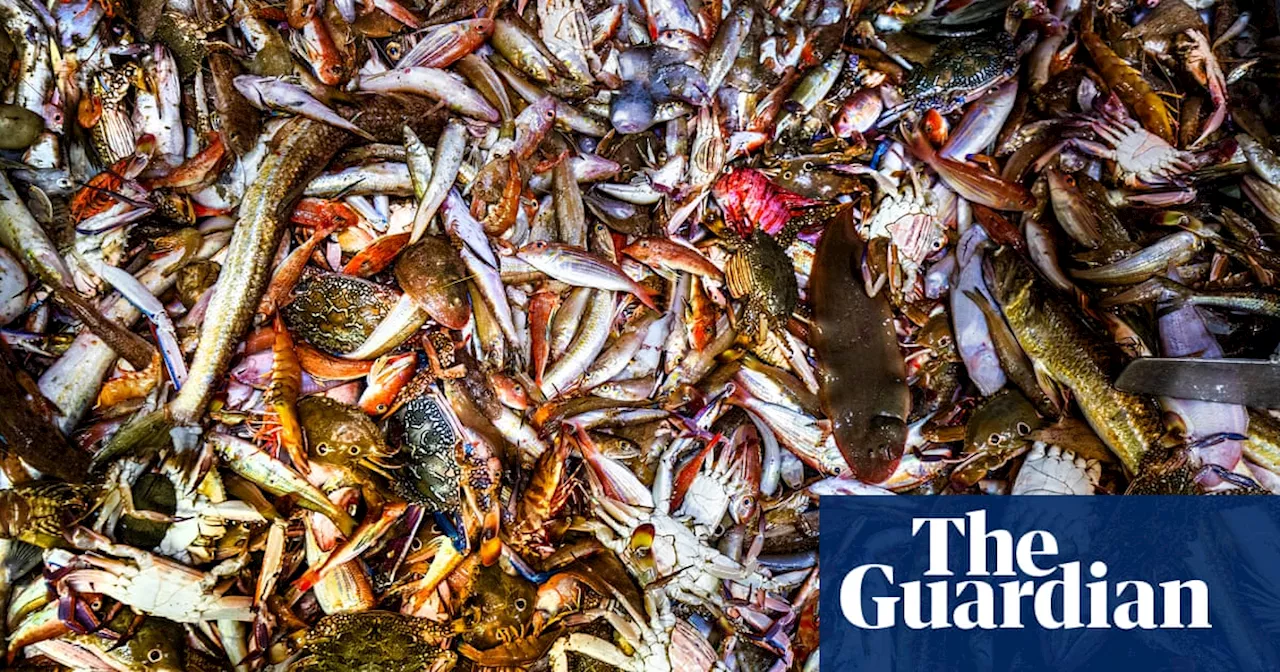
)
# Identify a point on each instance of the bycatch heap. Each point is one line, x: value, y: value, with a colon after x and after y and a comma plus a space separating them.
x: 400, y: 335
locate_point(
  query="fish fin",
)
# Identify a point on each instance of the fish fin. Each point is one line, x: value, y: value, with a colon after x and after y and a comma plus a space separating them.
x: 919, y: 145
x: 688, y: 472
x: 1056, y: 394
x: 308, y: 580
x: 143, y: 436
x: 20, y: 559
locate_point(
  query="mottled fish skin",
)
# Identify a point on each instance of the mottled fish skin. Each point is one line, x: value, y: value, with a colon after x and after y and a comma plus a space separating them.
x: 377, y: 639
x: 300, y: 150
x: 1060, y: 346
x: 1263, y: 445
x: 240, y: 122
x: 37, y: 513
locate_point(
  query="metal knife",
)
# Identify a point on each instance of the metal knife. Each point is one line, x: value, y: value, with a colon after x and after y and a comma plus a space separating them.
x: 1251, y: 382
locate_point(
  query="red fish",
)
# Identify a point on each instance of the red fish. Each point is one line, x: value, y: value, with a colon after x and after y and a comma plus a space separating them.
x: 747, y: 196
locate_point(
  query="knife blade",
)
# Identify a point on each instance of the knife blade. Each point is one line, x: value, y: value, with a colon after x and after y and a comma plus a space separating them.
x: 1251, y: 382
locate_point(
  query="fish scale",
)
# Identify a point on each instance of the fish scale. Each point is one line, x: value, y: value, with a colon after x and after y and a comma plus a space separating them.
x: 299, y: 151
x: 1060, y: 346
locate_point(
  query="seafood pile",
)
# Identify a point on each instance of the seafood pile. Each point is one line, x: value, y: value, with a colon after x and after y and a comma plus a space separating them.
x: 418, y: 336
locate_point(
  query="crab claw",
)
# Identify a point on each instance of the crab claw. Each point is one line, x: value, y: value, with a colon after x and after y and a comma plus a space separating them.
x: 1206, y: 70
x: 82, y: 612
x: 688, y: 471
x: 515, y: 653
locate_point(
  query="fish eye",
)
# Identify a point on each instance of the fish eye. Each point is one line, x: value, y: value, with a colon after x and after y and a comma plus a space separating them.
x: 322, y: 448
x: 353, y: 450
x: 155, y: 655
x: 416, y: 543
x: 994, y: 439
x: 945, y: 341
x: 786, y: 175
x: 1069, y: 180
x: 1023, y: 429
x: 937, y: 244
x: 807, y: 166
x: 520, y: 603
x: 381, y: 408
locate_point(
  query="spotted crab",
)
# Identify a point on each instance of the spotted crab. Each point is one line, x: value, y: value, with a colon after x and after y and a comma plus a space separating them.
x: 431, y: 475
x: 375, y: 641
x: 961, y: 70
x: 337, y: 313
x: 760, y: 272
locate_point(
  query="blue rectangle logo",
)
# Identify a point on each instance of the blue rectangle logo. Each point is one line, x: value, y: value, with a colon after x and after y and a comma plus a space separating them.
x: 1050, y: 584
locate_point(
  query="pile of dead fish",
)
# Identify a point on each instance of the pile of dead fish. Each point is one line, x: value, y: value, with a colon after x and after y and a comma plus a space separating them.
x: 395, y: 336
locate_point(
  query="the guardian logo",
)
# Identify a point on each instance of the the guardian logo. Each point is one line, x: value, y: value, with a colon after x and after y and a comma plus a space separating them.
x: 1040, y: 591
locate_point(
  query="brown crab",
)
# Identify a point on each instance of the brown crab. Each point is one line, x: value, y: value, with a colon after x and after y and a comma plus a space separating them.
x: 341, y: 438
x: 760, y: 272
x: 375, y: 641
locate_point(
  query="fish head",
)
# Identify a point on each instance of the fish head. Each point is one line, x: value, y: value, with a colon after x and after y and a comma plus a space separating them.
x: 1007, y: 276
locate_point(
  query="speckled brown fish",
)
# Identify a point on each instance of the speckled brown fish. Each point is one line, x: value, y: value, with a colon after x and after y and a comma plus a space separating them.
x: 1061, y: 347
